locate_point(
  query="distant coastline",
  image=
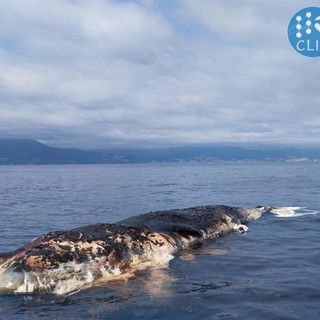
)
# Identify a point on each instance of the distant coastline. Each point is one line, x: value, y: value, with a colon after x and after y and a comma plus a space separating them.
x: 32, y: 152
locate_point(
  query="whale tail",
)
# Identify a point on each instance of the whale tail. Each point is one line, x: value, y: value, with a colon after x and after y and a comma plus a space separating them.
x: 290, y: 212
x: 258, y: 211
x: 280, y: 212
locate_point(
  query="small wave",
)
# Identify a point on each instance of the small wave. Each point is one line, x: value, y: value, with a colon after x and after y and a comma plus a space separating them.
x: 289, y: 212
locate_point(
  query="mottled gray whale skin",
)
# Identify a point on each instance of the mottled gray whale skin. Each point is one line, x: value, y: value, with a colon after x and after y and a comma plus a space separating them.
x: 65, y: 261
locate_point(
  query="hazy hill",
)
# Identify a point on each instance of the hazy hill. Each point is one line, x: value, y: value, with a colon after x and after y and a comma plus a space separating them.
x: 27, y: 151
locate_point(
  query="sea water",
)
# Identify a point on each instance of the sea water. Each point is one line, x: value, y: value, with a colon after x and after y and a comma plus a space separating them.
x: 271, y: 272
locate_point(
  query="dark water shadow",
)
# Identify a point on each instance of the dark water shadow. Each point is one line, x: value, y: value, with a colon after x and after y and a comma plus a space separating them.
x: 204, y: 287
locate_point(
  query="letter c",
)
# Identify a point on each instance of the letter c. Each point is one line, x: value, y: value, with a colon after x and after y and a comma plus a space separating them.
x: 298, y: 46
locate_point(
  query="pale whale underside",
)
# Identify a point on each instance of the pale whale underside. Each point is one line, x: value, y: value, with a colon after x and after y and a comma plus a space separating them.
x: 64, y: 261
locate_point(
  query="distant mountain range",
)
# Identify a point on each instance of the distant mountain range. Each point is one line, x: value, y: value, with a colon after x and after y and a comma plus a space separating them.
x: 27, y: 151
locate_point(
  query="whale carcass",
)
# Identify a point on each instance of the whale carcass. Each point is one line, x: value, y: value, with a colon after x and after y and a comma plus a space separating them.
x: 64, y: 261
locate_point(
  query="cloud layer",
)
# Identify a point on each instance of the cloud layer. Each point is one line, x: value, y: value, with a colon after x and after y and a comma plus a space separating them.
x: 153, y: 72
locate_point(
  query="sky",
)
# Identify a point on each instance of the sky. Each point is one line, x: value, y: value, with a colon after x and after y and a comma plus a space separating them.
x: 102, y: 73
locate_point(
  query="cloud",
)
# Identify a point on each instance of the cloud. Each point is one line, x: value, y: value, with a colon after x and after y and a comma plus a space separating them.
x: 101, y: 72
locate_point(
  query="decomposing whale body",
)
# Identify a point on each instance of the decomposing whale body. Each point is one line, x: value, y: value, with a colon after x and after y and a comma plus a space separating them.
x: 65, y: 261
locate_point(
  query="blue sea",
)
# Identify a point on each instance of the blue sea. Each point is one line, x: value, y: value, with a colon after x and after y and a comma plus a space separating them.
x: 271, y: 272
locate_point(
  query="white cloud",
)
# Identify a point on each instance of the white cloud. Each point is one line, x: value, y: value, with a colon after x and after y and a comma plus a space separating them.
x: 227, y: 19
x: 101, y: 71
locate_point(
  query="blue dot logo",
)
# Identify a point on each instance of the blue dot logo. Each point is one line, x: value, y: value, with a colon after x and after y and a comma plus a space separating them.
x: 304, y: 32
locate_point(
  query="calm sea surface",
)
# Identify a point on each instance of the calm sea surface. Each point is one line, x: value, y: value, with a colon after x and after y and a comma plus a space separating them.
x: 272, y: 272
